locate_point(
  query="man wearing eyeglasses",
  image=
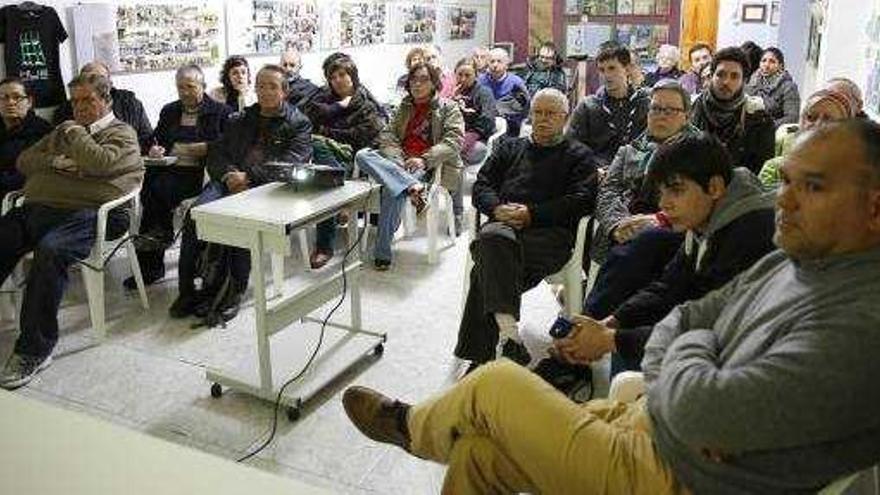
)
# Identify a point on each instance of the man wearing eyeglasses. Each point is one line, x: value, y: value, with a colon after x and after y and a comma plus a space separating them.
x: 19, y: 128
x: 534, y: 190
x: 545, y: 70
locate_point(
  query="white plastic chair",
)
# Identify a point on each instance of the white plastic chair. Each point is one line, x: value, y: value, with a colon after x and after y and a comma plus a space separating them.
x: 439, y: 200
x: 100, y: 253
x: 571, y: 276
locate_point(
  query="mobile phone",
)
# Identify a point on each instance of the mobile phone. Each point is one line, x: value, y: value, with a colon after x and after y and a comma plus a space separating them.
x: 561, y: 327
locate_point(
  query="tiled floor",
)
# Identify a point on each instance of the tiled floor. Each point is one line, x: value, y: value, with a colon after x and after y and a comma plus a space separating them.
x: 149, y: 375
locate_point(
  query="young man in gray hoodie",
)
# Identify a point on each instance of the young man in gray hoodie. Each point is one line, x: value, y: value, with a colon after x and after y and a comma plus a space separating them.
x: 766, y: 385
x: 727, y: 221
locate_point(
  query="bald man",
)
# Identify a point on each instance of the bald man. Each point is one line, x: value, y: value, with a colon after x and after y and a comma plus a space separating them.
x: 767, y: 385
x: 301, y: 89
x: 126, y: 106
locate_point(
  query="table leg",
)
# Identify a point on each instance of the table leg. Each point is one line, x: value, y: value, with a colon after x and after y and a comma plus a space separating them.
x: 354, y: 278
x: 263, y: 349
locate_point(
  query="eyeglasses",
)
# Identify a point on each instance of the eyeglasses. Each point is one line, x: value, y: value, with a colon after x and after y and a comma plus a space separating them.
x: 13, y: 98
x: 546, y: 114
x: 665, y: 111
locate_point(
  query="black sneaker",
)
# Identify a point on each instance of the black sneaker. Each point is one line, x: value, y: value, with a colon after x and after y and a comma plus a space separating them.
x: 515, y: 351
x: 150, y: 278
x: 182, y: 307
x: 381, y: 265
x: 21, y: 369
x: 573, y: 380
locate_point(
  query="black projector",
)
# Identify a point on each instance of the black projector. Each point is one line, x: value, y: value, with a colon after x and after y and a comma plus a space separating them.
x: 305, y: 175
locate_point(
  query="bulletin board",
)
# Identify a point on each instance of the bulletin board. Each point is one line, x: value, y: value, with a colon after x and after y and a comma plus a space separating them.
x: 413, y: 23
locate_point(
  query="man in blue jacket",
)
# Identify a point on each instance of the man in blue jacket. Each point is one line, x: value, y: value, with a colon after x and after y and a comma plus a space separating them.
x: 766, y: 385
x: 269, y: 130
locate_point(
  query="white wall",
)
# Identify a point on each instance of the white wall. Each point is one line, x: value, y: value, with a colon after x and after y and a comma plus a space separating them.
x: 794, y: 30
x: 379, y: 66
x: 844, y: 41
x: 733, y: 32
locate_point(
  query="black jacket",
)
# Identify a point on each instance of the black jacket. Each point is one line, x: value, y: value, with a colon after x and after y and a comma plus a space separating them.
x: 13, y: 143
x: 482, y: 120
x: 358, y: 124
x: 290, y: 140
x: 127, y: 108
x: 605, y: 124
x: 558, y: 183
x: 537, y: 77
x: 750, y: 142
x: 301, y: 91
x: 735, y: 240
x: 212, y: 120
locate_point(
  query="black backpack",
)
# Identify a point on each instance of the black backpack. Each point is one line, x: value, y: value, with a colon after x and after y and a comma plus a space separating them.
x: 213, y: 270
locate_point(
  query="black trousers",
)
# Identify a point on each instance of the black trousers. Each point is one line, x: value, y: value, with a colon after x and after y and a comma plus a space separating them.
x: 628, y: 268
x: 163, y: 191
x: 507, y: 263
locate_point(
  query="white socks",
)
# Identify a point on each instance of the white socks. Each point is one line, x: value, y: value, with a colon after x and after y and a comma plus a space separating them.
x: 507, y: 327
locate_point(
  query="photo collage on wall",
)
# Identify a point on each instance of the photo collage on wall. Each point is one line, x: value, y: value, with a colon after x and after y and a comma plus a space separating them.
x: 872, y: 62
x: 417, y: 23
x: 164, y: 37
x: 277, y: 26
x: 362, y: 23
x: 462, y: 23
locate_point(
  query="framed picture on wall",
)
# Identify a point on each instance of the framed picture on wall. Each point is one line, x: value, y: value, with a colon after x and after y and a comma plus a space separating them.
x: 774, y: 13
x: 754, y: 12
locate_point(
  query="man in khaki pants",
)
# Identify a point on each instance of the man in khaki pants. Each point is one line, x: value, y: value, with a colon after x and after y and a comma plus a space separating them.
x: 765, y: 385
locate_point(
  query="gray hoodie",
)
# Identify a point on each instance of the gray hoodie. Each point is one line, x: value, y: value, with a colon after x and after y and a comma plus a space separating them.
x: 777, y: 372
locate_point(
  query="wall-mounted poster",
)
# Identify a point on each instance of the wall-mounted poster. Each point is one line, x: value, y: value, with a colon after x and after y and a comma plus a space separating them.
x: 462, y: 23
x: 272, y: 26
x: 164, y: 37
x: 414, y: 23
x: 362, y: 23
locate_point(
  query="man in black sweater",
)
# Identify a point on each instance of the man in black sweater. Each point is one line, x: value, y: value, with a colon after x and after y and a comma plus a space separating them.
x: 728, y: 222
x: 534, y: 191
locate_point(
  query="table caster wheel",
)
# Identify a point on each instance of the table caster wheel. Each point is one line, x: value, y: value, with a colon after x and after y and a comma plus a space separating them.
x: 294, y: 413
x: 216, y: 390
x: 379, y: 350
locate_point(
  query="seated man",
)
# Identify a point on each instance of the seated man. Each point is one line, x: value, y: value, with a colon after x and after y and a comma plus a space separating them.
x: 700, y: 57
x: 19, y: 128
x: 509, y: 90
x: 126, y: 106
x: 424, y: 135
x: 69, y: 174
x: 269, y: 130
x: 545, y: 70
x: 301, y: 89
x: 534, y: 191
x: 616, y: 114
x: 737, y: 400
x: 727, y: 220
x: 185, y: 128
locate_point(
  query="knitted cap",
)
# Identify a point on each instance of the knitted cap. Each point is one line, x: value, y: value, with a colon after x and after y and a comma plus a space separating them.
x: 848, y: 90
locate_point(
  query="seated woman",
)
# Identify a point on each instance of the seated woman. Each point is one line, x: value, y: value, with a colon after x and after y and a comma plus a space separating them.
x: 19, y: 128
x: 477, y: 106
x: 185, y: 128
x: 413, y: 56
x: 235, y: 91
x: 822, y: 107
x: 424, y: 134
x: 343, y: 112
x: 776, y: 87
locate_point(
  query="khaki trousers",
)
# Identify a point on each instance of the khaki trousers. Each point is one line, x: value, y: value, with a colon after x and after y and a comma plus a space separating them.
x: 504, y: 430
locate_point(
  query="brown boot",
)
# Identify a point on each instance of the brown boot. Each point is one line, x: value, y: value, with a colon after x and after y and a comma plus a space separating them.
x: 378, y: 417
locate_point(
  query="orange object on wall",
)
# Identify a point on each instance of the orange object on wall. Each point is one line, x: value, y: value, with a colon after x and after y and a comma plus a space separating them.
x: 699, y: 19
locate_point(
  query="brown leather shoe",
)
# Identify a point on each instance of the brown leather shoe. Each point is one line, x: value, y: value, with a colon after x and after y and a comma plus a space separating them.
x: 318, y: 259
x: 378, y: 417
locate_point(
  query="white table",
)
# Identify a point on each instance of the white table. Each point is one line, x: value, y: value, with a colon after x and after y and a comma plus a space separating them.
x: 260, y: 220
x: 49, y: 450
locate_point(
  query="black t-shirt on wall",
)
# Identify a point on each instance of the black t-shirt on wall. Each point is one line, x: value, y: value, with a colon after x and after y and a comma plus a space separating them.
x: 31, y: 38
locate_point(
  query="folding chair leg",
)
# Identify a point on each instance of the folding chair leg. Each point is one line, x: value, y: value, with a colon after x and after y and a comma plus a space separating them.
x: 432, y: 232
x: 450, y: 218
x: 136, y: 272
x: 94, y: 282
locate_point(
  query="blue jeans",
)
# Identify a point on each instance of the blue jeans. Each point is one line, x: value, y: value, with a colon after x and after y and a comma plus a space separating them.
x: 395, y: 183
x: 191, y: 246
x: 58, y: 237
